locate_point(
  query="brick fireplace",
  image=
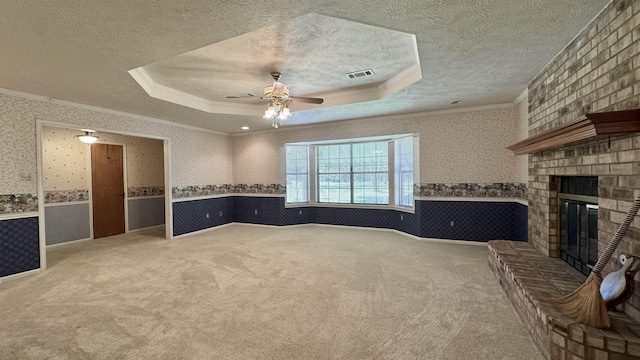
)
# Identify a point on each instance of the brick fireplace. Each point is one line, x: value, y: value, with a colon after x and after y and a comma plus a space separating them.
x: 596, y: 76
x: 599, y: 71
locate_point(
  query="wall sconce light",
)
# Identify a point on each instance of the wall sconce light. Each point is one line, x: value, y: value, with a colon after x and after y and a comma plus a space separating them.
x: 88, y: 137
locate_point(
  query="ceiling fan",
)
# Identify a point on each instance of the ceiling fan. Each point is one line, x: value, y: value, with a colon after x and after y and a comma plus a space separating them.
x: 279, y: 91
x: 279, y: 98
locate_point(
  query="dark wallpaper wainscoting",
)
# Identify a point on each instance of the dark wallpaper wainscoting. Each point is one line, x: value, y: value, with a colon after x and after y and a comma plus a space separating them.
x: 19, y: 245
x: 462, y: 220
x: 190, y: 216
x: 472, y: 220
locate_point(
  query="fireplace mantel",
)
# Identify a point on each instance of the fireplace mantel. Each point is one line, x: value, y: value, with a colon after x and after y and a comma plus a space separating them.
x: 595, y: 124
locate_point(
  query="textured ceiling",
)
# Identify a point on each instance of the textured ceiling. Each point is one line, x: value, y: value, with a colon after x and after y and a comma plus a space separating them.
x: 482, y: 52
x: 313, y: 52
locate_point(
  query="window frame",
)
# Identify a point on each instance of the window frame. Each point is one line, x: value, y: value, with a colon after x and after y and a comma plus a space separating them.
x: 352, y: 174
x: 392, y: 173
x: 398, y: 171
x: 307, y: 173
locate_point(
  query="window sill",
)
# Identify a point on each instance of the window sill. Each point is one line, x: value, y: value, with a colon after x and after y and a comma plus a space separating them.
x: 410, y: 210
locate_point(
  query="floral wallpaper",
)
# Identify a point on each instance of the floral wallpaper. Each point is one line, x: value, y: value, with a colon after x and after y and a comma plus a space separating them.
x: 18, y: 149
x: 506, y: 190
x: 454, y: 148
x: 65, y: 161
x: 197, y: 156
x: 145, y: 191
x: 457, y: 147
x: 66, y: 164
x: 201, y: 190
x: 18, y: 203
x: 145, y: 159
x: 510, y: 190
x: 204, y: 190
x: 65, y: 196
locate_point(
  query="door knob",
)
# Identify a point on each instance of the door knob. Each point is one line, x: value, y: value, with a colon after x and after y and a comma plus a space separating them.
x: 121, y: 194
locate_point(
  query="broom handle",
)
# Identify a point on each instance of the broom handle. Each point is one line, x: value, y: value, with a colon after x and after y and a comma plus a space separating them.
x: 617, y: 237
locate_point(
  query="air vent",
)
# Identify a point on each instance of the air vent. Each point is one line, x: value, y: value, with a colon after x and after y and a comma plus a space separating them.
x: 361, y: 73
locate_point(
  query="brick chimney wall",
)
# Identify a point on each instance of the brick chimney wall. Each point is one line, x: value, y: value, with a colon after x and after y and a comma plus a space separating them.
x: 598, y: 71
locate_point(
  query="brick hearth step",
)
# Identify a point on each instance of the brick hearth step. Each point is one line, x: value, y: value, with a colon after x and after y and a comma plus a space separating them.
x: 531, y: 280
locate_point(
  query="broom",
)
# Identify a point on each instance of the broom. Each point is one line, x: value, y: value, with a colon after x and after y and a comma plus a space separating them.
x: 585, y: 304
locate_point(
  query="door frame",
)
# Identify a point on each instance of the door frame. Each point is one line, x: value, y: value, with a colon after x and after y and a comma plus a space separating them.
x: 124, y: 178
x: 168, y: 209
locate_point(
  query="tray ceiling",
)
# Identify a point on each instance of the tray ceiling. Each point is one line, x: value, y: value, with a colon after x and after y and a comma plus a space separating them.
x: 311, y: 51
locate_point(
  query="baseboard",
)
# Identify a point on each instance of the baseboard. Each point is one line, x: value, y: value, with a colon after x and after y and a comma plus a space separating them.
x: 444, y: 241
x: 146, y: 228
x: 201, y: 231
x: 53, y: 246
x: 19, y: 275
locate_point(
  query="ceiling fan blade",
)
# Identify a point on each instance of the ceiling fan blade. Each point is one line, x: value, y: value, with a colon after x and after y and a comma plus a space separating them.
x: 248, y: 96
x: 307, y: 100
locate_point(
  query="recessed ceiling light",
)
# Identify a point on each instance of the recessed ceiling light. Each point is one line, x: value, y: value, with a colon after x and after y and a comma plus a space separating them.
x: 245, y: 128
x: 456, y: 102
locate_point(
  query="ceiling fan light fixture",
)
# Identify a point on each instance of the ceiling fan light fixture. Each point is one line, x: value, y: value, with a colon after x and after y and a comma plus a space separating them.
x: 270, y: 112
x: 277, y: 112
x: 284, y: 114
x: 278, y: 95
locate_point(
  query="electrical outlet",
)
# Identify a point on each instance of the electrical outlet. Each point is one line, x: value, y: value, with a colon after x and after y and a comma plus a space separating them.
x: 300, y: 212
x: 220, y: 213
x: 452, y: 224
x: 207, y: 215
x: 401, y: 217
x: 255, y: 211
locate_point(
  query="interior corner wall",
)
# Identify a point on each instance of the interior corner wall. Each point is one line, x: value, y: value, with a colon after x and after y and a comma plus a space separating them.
x: 521, y: 132
x: 454, y: 148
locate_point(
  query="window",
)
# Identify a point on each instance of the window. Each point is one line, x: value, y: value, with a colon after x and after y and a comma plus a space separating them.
x: 297, y: 163
x: 352, y: 171
x: 404, y: 171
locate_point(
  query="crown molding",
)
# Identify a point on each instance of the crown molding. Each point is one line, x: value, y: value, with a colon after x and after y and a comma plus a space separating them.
x: 524, y: 95
x: 383, y: 117
x: 40, y: 98
x: 24, y: 95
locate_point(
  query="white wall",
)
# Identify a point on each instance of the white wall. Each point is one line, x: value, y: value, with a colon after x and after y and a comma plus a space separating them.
x: 198, y: 157
x: 458, y: 147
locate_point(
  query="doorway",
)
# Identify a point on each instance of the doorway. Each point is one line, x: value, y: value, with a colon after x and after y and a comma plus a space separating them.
x: 107, y: 189
x: 65, y: 186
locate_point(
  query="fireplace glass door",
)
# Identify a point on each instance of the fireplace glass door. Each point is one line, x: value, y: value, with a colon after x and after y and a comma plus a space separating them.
x: 578, y: 221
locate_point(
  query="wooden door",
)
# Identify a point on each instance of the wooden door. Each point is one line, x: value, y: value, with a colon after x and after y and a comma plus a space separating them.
x: 107, y: 188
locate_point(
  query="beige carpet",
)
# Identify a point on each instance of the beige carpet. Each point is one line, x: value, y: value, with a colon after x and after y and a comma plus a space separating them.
x: 247, y: 292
